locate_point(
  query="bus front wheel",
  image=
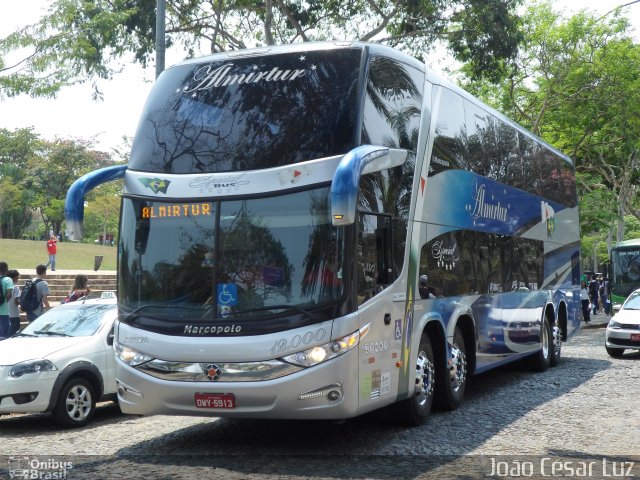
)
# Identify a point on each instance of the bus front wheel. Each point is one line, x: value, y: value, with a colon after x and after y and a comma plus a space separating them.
x: 415, y: 409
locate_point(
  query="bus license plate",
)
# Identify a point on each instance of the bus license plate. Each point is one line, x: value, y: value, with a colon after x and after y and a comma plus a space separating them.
x: 635, y: 337
x: 215, y: 400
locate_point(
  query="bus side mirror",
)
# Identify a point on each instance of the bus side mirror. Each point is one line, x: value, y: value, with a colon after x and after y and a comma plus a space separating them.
x: 344, y: 186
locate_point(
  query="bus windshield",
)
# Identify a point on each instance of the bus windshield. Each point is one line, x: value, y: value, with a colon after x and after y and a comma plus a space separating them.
x: 236, y: 259
x: 625, y: 270
x: 249, y: 113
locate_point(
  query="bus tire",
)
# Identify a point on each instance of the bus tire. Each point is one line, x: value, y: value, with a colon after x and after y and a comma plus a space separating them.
x: 451, y: 378
x: 415, y: 410
x: 541, y: 360
x: 556, y: 351
x: 76, y: 404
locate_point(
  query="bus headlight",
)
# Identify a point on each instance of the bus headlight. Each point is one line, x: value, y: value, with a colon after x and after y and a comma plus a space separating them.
x: 130, y: 356
x: 316, y: 355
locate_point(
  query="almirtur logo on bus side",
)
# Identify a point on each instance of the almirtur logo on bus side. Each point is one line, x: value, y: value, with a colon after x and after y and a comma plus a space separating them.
x: 484, y: 209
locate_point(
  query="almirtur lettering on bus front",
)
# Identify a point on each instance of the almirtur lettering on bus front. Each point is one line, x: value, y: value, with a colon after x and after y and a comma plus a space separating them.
x: 205, y: 77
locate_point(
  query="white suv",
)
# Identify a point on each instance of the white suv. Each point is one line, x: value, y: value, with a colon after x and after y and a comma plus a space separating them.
x: 62, y: 362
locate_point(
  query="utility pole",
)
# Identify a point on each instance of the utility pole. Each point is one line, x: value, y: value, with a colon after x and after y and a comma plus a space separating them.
x: 160, y: 35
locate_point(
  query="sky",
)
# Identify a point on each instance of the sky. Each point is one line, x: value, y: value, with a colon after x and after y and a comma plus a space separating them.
x: 74, y: 115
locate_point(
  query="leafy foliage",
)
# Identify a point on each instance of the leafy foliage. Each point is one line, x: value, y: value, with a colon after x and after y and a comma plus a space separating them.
x: 79, y: 41
x: 34, y: 178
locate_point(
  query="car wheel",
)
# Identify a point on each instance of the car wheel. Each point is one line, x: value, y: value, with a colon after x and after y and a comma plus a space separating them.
x: 452, y: 377
x: 615, y: 352
x: 76, y: 404
x: 542, y: 359
x: 415, y: 410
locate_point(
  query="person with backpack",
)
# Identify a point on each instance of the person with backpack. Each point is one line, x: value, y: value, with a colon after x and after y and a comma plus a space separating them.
x: 6, y: 292
x: 33, y: 299
x: 14, y: 303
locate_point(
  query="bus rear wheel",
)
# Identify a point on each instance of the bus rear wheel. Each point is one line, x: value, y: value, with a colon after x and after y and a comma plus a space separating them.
x: 415, y: 410
x: 542, y: 359
x: 556, y: 351
x: 452, y: 376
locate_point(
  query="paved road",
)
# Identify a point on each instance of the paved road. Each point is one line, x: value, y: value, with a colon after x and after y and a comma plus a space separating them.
x: 581, y: 414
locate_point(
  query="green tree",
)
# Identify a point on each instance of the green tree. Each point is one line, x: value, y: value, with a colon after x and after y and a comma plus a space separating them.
x: 103, y: 211
x: 52, y: 172
x: 16, y: 150
x: 85, y: 40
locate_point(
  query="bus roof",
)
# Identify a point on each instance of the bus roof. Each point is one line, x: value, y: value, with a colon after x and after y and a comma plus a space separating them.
x: 634, y: 242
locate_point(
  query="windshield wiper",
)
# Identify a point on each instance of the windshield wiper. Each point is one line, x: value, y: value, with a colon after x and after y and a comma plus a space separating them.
x: 277, y: 307
x: 134, y: 314
x: 24, y: 335
x: 47, y: 332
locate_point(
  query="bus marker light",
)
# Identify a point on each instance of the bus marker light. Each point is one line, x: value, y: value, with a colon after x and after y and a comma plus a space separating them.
x: 399, y: 364
x: 338, y: 217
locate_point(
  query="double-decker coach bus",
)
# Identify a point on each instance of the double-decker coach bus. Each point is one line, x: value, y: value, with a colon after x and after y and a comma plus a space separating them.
x: 625, y: 270
x: 316, y: 231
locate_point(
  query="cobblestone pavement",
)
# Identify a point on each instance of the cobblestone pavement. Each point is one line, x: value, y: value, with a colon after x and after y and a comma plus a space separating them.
x: 583, y: 412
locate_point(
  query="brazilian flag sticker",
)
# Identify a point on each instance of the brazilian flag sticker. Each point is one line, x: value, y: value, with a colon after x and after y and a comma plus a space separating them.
x: 155, y: 184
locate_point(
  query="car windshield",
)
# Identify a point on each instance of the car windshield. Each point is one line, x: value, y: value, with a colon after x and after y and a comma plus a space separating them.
x: 633, y: 302
x: 72, y: 320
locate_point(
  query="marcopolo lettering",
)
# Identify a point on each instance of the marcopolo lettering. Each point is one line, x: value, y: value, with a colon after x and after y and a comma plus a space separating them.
x: 207, y: 77
x: 212, y: 329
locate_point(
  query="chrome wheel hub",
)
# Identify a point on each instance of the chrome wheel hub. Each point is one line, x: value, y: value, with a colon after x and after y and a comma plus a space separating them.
x: 557, y: 339
x: 545, y: 341
x: 457, y: 368
x: 424, y: 378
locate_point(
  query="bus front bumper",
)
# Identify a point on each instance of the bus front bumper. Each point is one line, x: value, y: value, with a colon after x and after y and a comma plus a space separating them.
x: 326, y: 391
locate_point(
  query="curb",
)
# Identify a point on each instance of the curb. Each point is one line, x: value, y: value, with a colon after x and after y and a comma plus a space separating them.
x: 591, y: 325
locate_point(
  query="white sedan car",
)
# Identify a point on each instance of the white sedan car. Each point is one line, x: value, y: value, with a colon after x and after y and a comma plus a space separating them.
x: 62, y: 362
x: 623, y: 331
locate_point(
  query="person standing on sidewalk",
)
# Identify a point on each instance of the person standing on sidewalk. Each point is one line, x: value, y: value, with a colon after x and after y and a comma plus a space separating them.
x: 6, y: 290
x: 14, y: 303
x: 52, y: 249
x: 593, y: 293
x: 584, y: 299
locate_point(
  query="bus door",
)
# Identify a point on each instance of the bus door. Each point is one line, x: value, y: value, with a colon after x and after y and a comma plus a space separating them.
x: 380, y: 307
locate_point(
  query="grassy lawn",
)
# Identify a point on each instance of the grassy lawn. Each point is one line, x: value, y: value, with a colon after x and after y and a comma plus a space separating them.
x: 71, y: 256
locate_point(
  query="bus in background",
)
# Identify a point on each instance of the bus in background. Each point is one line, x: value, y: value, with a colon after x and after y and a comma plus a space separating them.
x: 319, y: 230
x: 624, y: 271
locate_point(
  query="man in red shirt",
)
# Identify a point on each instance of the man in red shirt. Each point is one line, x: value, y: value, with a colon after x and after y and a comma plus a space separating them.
x: 51, y: 248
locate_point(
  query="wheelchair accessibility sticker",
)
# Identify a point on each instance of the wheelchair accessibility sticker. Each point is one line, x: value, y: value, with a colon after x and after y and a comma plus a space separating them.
x: 227, y: 294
